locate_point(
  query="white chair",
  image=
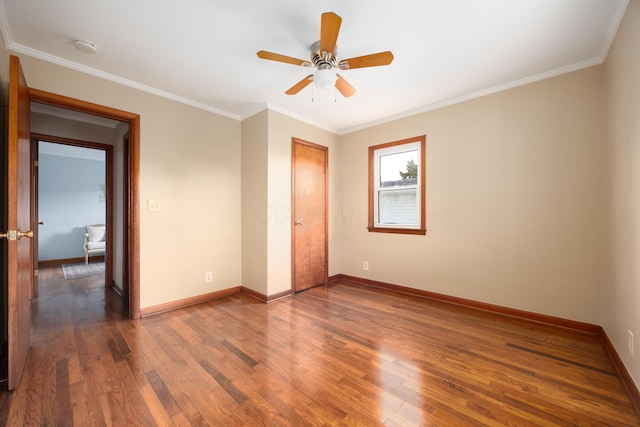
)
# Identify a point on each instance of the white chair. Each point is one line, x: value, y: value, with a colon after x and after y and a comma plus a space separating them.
x: 94, y: 240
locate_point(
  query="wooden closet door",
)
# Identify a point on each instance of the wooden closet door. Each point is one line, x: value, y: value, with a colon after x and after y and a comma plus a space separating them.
x: 309, y: 215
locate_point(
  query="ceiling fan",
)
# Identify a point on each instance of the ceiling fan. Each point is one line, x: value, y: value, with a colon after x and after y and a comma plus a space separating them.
x: 324, y: 57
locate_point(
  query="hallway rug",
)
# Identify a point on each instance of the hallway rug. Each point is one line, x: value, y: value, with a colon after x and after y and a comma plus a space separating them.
x: 74, y: 271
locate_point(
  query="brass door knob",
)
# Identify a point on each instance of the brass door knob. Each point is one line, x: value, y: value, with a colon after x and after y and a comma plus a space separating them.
x: 9, y: 235
x: 22, y: 234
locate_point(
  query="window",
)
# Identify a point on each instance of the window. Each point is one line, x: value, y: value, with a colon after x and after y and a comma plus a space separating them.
x: 396, y: 186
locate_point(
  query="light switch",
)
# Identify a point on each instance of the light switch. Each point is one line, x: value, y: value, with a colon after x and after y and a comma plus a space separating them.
x: 153, y: 206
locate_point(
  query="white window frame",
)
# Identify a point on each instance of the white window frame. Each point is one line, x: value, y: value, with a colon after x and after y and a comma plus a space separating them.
x: 375, y: 190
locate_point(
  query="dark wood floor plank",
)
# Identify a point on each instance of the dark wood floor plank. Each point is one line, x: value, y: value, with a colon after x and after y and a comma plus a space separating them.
x: 164, y: 394
x: 339, y: 355
x: 135, y: 405
x: 64, y: 414
x: 80, y: 414
x: 160, y: 416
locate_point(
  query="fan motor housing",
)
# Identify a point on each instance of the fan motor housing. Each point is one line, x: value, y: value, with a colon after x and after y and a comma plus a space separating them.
x: 323, y: 60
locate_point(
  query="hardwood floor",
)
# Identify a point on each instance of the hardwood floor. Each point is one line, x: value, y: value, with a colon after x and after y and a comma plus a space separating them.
x: 334, y: 355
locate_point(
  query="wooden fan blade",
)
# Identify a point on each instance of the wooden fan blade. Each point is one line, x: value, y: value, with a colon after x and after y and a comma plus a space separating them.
x: 373, y: 60
x: 282, y: 58
x: 344, y: 87
x: 300, y: 85
x: 329, y: 29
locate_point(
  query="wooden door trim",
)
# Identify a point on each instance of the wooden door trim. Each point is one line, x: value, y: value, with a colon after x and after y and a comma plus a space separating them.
x: 109, y: 167
x: 133, y: 120
x: 325, y: 149
x: 126, y: 167
x: 34, y: 217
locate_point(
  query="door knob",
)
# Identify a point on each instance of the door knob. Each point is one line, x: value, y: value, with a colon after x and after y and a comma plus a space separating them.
x: 22, y: 234
x: 9, y: 235
x: 298, y: 222
x: 16, y: 234
x: 40, y: 222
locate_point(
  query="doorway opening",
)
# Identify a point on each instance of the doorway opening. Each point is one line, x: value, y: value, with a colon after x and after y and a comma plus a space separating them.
x: 123, y: 212
x: 73, y: 189
x: 73, y: 201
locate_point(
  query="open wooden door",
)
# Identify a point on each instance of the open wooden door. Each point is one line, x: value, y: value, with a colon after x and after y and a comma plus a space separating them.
x: 19, y: 262
x: 309, y: 228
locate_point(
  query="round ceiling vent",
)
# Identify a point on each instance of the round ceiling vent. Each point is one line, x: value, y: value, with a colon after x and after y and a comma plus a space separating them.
x: 86, y: 46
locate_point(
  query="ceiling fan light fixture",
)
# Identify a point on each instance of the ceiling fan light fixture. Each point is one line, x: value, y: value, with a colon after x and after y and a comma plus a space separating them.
x: 324, y: 78
x: 324, y: 58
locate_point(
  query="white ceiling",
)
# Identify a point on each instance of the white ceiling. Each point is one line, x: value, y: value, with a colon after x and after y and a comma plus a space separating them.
x: 203, y: 52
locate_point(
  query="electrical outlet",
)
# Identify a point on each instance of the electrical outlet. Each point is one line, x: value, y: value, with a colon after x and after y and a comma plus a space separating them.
x: 208, y: 277
x: 365, y: 265
x: 631, y: 342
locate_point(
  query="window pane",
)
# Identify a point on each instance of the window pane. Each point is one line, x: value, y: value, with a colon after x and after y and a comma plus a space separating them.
x: 396, y: 186
x: 399, y: 169
x: 397, y: 207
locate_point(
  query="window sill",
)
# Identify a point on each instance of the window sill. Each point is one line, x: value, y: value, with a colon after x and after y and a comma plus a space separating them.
x: 420, y: 231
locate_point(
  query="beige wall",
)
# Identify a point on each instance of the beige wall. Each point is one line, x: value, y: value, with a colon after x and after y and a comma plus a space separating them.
x: 190, y: 163
x: 514, y: 200
x: 621, y: 288
x: 254, y: 202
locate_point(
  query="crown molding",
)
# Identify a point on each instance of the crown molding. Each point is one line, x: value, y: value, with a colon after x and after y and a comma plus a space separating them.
x: 613, y: 29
